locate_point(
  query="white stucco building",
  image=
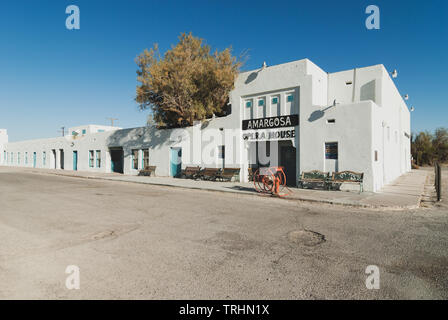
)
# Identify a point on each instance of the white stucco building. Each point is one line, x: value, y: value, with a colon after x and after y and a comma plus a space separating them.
x: 295, y: 115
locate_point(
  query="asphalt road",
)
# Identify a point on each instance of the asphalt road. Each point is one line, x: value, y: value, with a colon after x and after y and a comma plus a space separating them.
x: 134, y: 241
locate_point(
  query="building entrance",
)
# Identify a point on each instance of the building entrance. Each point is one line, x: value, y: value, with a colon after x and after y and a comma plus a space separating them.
x: 274, y: 154
x: 117, y: 159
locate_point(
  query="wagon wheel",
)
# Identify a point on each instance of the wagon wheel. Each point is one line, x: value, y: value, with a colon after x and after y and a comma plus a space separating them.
x: 257, y: 183
x: 263, y: 183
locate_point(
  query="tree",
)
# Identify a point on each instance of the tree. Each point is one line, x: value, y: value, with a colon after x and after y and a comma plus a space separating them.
x: 427, y: 148
x: 440, y: 144
x: 422, y: 149
x: 188, y: 83
x: 150, y: 120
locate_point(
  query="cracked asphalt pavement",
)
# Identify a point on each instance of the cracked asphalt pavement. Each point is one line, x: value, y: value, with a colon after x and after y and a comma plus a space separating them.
x: 135, y: 241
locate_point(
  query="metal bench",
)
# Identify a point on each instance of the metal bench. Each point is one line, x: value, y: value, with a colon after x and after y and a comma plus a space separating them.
x: 191, y: 172
x: 210, y: 174
x: 314, y: 176
x: 250, y: 173
x: 227, y: 174
x: 347, y: 177
x: 148, y: 171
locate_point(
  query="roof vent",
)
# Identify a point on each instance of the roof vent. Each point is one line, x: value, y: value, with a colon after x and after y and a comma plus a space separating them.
x: 264, y: 65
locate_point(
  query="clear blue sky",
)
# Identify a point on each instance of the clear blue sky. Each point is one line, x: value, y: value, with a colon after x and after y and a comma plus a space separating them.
x: 50, y: 76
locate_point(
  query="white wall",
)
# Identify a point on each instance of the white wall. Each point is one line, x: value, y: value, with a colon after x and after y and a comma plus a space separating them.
x: 351, y: 130
x: 389, y: 119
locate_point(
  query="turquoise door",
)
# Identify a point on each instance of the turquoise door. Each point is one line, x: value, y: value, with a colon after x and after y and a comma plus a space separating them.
x: 75, y: 160
x: 34, y: 159
x: 176, y: 162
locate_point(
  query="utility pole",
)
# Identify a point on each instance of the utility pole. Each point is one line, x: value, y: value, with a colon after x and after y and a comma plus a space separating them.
x: 112, y: 121
x: 62, y: 131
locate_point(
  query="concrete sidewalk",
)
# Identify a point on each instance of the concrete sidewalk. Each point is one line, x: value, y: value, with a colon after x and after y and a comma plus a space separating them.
x: 404, y: 193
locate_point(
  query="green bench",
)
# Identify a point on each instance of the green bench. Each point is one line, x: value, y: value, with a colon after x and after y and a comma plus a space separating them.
x: 250, y: 174
x: 314, y: 176
x: 346, y: 177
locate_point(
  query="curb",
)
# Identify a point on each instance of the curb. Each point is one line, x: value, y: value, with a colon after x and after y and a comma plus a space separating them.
x: 331, y: 202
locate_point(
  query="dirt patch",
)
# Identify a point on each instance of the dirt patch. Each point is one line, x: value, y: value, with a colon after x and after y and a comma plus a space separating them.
x: 232, y: 241
x: 306, y: 237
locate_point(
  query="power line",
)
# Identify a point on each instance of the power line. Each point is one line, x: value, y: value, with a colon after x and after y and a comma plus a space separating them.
x: 62, y: 131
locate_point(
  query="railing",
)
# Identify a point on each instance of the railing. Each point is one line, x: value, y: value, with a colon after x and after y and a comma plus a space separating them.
x: 438, y: 181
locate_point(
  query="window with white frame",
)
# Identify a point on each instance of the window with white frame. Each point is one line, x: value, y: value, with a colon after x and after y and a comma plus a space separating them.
x: 98, y: 158
x: 135, y: 159
x: 221, y: 152
x: 331, y: 150
x: 91, y: 158
x: 145, y: 158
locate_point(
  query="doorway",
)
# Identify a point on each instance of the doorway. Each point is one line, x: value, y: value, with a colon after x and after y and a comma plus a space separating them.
x: 117, y: 159
x: 176, y: 162
x: 53, y: 152
x: 75, y: 160
x: 61, y: 159
x: 288, y: 162
x: 34, y: 159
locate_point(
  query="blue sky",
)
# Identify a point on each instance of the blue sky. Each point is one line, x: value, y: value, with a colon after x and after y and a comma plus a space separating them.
x: 51, y: 76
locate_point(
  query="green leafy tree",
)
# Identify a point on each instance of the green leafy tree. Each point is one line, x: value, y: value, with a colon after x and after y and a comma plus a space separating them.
x: 440, y: 144
x: 421, y: 148
x: 188, y: 83
x: 427, y: 148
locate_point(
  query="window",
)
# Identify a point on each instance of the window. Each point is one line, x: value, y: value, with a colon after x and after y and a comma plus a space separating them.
x: 100, y: 130
x: 221, y: 152
x: 331, y: 121
x: 26, y: 157
x: 376, y: 155
x: 348, y: 83
x: 12, y: 157
x: 248, y: 103
x: 84, y: 131
x: 331, y: 150
x: 290, y: 98
x: 44, y: 158
x: 274, y: 100
x: 18, y: 157
x: 145, y: 158
x: 98, y: 158
x: 135, y: 159
x: 91, y: 158
x: 4, y: 156
x: 260, y: 102
x: 74, y: 133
